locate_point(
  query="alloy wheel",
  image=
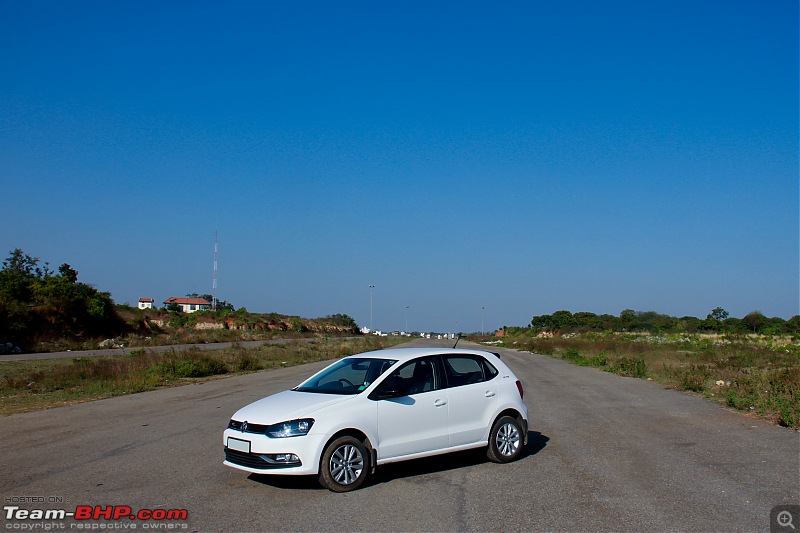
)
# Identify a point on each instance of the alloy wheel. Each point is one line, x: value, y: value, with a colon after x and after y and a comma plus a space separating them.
x: 346, y: 464
x: 508, y: 439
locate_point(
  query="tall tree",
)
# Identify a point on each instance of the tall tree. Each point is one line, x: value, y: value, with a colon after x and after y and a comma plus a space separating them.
x: 718, y: 314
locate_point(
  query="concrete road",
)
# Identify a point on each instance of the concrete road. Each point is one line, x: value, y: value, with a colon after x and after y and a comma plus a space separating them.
x: 606, y: 453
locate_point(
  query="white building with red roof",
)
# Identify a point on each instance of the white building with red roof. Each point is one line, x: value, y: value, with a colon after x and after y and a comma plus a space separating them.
x: 189, y: 305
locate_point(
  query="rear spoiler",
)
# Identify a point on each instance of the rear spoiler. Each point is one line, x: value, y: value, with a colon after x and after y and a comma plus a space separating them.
x: 493, y: 353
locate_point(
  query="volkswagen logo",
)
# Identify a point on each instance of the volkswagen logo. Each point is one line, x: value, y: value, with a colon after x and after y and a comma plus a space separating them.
x: 244, y: 426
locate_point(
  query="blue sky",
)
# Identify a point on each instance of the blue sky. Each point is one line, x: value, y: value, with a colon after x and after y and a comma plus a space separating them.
x: 520, y: 156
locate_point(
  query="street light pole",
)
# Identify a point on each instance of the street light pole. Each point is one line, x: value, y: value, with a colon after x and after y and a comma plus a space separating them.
x: 482, y: 308
x: 370, y: 307
x: 407, y: 319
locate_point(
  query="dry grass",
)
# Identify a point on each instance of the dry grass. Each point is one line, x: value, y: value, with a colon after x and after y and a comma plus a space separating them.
x: 759, y: 375
x: 32, y: 385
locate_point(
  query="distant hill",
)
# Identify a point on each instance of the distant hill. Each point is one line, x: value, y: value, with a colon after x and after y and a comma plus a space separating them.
x: 44, y: 310
x: 149, y: 321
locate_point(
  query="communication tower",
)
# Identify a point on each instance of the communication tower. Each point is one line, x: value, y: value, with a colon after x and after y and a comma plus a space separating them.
x: 214, y: 284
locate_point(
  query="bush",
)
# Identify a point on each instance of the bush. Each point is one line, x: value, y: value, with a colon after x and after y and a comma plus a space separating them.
x: 695, y: 379
x: 573, y: 356
x: 784, y: 395
x: 634, y: 367
x: 742, y: 394
x: 246, y: 362
x: 598, y: 360
x: 190, y: 367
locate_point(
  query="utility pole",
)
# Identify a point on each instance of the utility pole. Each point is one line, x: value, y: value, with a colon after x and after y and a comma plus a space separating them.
x: 370, y: 306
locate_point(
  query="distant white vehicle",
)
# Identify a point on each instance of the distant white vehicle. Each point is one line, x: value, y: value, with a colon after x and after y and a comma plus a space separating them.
x: 382, y: 407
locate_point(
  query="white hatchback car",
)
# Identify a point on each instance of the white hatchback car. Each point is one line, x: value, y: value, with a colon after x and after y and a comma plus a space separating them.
x: 381, y: 407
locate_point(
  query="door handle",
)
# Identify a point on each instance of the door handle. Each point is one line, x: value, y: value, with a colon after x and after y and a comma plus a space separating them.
x: 489, y: 393
x: 439, y: 403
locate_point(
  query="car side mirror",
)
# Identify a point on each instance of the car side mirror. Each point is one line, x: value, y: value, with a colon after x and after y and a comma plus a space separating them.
x: 387, y: 394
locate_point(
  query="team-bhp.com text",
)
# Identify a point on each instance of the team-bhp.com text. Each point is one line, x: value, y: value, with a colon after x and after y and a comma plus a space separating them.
x: 94, y: 518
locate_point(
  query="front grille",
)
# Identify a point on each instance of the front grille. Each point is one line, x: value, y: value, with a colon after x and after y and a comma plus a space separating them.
x: 252, y: 460
x: 251, y: 428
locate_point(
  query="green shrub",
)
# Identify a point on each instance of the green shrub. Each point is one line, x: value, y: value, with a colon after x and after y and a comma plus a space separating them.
x: 246, y: 362
x: 743, y: 393
x: 789, y: 414
x: 634, y: 367
x: 572, y: 356
x: 178, y: 321
x: 694, y: 379
x: 598, y: 360
x: 784, y: 395
x: 194, y: 367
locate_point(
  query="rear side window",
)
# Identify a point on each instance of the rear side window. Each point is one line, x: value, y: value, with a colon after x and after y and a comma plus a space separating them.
x: 489, y: 370
x: 467, y: 369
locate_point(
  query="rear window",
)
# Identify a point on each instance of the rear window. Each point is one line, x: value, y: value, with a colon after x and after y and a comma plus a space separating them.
x: 467, y: 369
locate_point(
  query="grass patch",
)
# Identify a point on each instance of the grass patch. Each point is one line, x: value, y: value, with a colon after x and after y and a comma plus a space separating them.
x: 573, y: 356
x: 40, y: 384
x: 750, y: 374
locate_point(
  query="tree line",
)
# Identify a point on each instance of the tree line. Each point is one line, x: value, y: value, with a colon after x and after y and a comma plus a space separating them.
x: 717, y: 321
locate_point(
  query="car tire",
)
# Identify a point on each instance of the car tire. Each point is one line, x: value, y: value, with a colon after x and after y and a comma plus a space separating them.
x: 344, y: 465
x: 505, y: 440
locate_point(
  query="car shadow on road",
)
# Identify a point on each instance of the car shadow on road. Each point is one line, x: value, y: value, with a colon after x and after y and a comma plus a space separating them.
x: 450, y: 461
x: 287, y: 482
x: 536, y: 443
x: 408, y: 469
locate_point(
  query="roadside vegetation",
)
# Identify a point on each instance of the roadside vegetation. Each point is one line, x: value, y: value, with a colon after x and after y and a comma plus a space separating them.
x: 38, y: 303
x: 753, y: 372
x: 46, y: 310
x: 41, y: 384
x: 164, y: 327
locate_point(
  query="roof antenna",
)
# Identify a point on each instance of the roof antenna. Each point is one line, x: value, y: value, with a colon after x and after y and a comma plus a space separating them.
x: 458, y: 337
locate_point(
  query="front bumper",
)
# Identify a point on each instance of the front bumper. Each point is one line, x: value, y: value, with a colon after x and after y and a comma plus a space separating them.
x: 260, y: 454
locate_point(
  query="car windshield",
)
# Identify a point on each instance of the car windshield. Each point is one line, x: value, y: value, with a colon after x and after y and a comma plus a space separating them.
x: 348, y: 376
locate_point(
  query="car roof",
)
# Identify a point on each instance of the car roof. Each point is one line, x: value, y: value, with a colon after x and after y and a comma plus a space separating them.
x: 406, y: 354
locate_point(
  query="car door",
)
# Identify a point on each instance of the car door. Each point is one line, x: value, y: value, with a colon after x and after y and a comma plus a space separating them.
x: 412, y: 411
x: 472, y: 397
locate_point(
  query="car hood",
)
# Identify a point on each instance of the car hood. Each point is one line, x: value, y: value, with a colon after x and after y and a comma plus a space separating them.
x: 286, y: 405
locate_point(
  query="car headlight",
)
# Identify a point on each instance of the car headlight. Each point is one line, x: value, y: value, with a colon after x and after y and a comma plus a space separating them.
x: 292, y: 428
